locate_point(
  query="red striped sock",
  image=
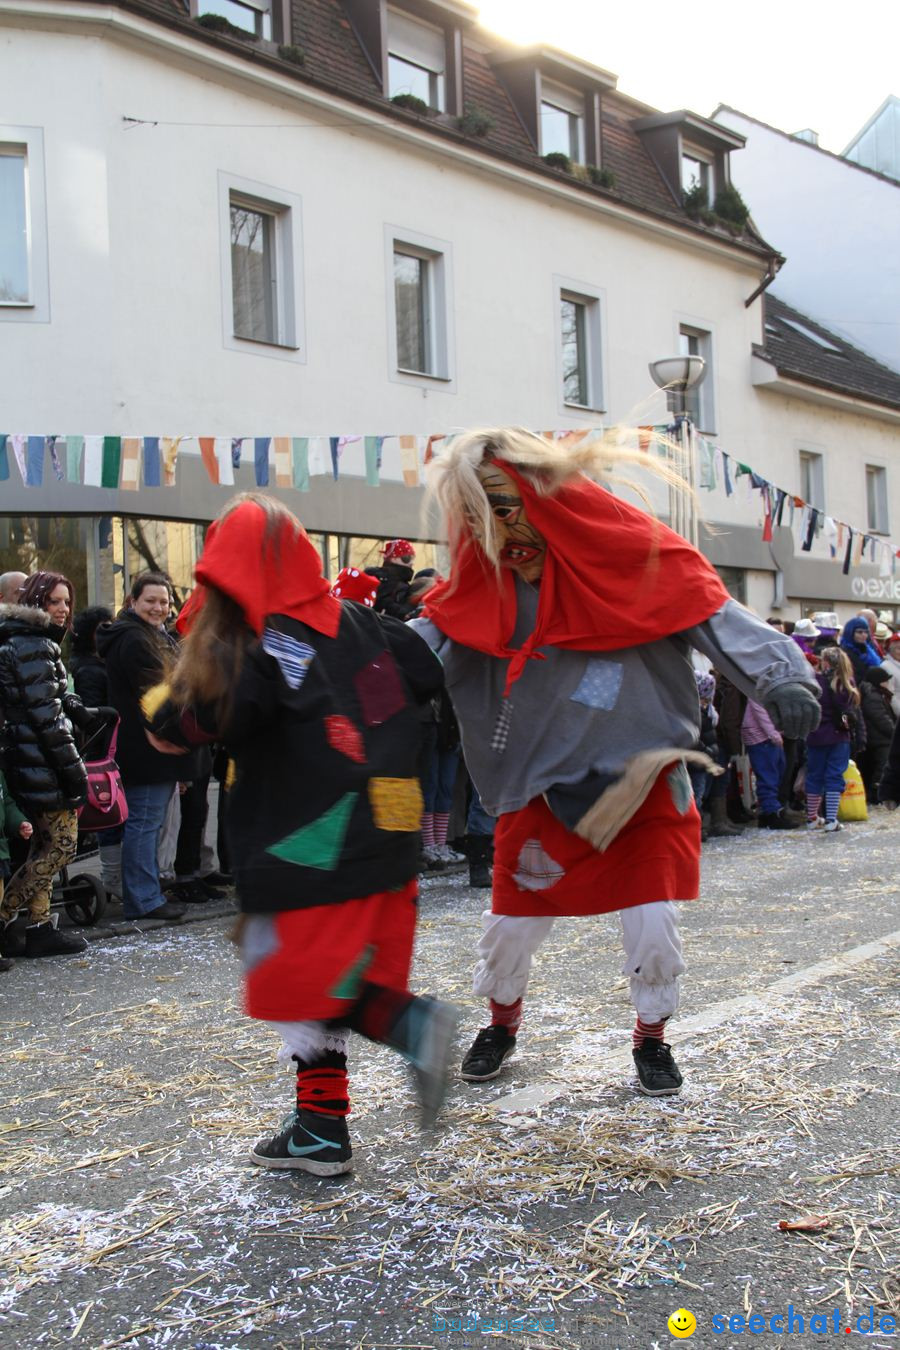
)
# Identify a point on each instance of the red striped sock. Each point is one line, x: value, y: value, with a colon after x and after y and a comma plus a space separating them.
x: 654, y: 1031
x: 428, y: 829
x: 441, y: 822
x: 322, y: 1087
x: 507, y: 1015
x: 813, y: 806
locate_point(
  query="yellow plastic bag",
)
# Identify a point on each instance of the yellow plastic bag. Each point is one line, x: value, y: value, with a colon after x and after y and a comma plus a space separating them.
x: 853, y: 797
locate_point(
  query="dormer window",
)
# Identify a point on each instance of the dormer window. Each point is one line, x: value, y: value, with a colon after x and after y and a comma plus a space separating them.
x: 254, y: 16
x: 697, y: 171
x: 417, y: 59
x: 562, y: 121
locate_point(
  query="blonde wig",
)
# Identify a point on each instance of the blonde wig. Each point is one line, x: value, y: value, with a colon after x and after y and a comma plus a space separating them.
x: 453, y: 482
x: 837, y: 664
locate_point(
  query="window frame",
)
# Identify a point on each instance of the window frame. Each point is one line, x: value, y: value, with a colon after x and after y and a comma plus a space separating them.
x: 437, y: 253
x: 36, y: 309
x: 272, y: 8
x: 708, y: 161
x: 705, y: 394
x: 593, y: 298
x: 813, y: 457
x: 877, y: 473
x: 286, y: 210
x: 569, y: 101
x: 395, y: 19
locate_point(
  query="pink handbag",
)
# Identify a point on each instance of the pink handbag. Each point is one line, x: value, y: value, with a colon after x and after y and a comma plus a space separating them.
x: 106, y: 806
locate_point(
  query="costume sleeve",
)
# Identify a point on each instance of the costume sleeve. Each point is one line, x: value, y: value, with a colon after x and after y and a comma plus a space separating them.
x: 752, y: 654
x: 415, y: 657
x: 430, y: 633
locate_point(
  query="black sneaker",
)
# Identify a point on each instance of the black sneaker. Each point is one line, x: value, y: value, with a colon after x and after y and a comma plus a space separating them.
x: 779, y: 820
x: 190, y: 893
x: 12, y: 939
x: 657, y: 1072
x: 490, y: 1050
x: 43, y: 939
x: 210, y: 888
x: 308, y: 1142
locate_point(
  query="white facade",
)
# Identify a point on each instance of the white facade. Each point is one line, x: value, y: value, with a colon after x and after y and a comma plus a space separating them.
x: 137, y: 335
x: 837, y: 224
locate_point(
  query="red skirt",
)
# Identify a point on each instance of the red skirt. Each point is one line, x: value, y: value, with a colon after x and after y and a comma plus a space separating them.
x: 541, y: 868
x: 320, y: 956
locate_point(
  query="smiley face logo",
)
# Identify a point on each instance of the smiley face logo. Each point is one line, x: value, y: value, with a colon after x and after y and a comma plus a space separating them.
x: 682, y: 1323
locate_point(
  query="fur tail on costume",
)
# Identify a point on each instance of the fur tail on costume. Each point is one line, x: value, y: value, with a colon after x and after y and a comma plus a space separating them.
x: 612, y: 811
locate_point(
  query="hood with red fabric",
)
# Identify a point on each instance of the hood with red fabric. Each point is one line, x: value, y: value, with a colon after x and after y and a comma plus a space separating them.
x: 281, y: 575
x: 614, y: 577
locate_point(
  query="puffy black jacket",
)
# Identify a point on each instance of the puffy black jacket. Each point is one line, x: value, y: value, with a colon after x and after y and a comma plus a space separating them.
x: 135, y: 655
x: 89, y: 678
x: 43, y: 767
x: 393, y: 590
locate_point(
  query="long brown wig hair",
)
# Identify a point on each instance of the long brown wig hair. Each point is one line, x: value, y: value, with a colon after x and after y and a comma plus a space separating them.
x: 837, y: 664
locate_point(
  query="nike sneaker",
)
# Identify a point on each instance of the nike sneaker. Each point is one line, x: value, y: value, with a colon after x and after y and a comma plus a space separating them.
x: 308, y: 1142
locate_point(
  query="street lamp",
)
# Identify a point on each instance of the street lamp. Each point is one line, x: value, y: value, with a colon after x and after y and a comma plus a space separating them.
x: 676, y: 375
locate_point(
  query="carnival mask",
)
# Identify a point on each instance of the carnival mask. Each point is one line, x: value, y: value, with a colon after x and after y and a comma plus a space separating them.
x: 520, y: 545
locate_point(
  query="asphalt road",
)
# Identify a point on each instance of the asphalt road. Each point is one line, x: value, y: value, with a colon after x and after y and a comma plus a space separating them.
x: 554, y: 1207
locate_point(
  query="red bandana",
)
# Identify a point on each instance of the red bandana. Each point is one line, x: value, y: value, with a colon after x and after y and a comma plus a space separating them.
x: 613, y: 578
x: 281, y: 576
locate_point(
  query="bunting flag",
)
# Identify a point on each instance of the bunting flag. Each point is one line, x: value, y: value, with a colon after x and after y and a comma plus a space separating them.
x: 767, y: 524
x: 222, y: 449
x: 131, y: 463
x: 34, y: 462
x: 208, y: 455
x: 283, y: 467
x: 300, y: 462
x: 169, y: 448
x: 18, y: 448
x: 112, y: 456
x: 152, y: 462
x: 409, y: 458
x: 261, y: 460
x: 93, y: 460
x: 237, y: 445
x: 50, y: 444
x: 846, y: 567
x: 373, y: 459
x: 4, y: 459
x: 74, y: 457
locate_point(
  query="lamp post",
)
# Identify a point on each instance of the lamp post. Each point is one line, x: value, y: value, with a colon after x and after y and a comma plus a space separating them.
x: 676, y: 375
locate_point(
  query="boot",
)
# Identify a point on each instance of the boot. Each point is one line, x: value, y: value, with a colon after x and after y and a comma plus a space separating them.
x: 43, y: 939
x: 481, y: 852
x: 720, y: 827
x: 12, y: 938
x: 111, y: 869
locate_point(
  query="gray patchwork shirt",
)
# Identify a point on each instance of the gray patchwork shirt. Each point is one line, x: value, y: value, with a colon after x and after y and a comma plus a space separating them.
x: 580, y: 712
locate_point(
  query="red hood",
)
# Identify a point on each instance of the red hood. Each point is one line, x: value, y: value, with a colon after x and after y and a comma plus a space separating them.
x: 614, y: 577
x: 282, y: 575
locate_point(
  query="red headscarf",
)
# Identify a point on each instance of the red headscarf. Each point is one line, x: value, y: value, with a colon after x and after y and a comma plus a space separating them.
x: 398, y: 548
x: 613, y: 578
x: 353, y: 584
x: 282, y: 575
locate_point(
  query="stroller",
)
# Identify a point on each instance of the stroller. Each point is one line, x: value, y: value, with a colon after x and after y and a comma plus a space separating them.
x: 82, y: 894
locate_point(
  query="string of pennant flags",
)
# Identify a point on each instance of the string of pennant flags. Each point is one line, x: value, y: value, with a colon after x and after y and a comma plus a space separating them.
x: 128, y: 463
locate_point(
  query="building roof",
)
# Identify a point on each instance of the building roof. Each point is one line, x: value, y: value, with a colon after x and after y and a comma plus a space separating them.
x: 334, y: 60
x: 800, y: 348
x: 812, y: 146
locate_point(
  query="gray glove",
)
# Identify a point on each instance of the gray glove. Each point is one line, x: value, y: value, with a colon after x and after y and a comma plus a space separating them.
x: 794, y: 709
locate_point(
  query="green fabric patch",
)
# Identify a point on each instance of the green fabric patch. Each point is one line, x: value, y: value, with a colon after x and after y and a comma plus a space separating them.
x: 318, y: 844
x: 679, y: 781
x: 348, y: 986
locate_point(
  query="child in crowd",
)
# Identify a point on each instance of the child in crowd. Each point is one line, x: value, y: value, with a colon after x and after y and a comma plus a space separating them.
x: 765, y: 746
x: 828, y: 747
x: 313, y: 698
x: 12, y: 823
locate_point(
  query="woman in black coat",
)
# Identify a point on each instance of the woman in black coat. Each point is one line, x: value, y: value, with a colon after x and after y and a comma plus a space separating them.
x: 879, y: 721
x: 44, y: 770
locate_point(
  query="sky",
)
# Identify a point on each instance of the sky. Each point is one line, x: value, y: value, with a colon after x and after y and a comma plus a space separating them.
x: 795, y: 64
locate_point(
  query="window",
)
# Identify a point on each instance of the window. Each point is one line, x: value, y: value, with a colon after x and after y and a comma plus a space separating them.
x: 261, y: 253
x: 580, y: 345
x: 419, y: 321
x: 697, y: 171
x: 417, y: 55
x: 876, y: 499
x: 24, y: 280
x: 812, y: 479
x: 254, y: 16
x: 562, y: 121
x: 699, y: 401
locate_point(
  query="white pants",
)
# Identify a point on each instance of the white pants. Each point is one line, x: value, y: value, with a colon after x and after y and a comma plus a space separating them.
x: 653, y: 959
x: 310, y: 1040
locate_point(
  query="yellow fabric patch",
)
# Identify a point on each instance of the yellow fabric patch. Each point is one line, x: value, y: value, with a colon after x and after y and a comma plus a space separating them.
x: 153, y: 700
x: 230, y: 776
x: 396, y: 803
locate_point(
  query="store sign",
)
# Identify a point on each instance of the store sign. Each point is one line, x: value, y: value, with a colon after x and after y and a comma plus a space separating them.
x: 876, y: 588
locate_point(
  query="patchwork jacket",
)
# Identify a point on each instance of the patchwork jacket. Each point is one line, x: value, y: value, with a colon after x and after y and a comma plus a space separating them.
x: 326, y: 804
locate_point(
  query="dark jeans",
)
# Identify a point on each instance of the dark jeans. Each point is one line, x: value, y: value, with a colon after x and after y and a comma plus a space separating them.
x: 194, y: 810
